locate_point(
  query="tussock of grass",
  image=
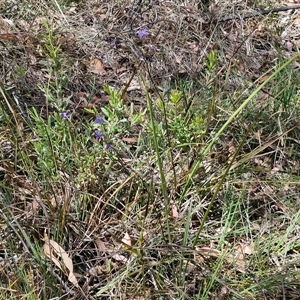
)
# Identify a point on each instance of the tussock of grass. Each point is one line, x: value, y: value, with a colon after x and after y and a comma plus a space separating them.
x: 158, y: 149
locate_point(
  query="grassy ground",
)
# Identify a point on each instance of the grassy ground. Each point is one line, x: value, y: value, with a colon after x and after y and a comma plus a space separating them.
x: 148, y: 151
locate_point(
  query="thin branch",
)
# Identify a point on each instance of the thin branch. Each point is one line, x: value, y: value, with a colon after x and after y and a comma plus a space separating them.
x: 259, y: 13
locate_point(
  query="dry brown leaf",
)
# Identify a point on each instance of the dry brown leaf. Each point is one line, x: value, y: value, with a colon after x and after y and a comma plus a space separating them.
x: 289, y: 46
x: 231, y: 149
x: 286, y: 187
x: 248, y: 249
x: 34, y: 207
x: 263, y: 79
x: 6, y: 25
x: 224, y: 293
x: 237, y: 260
x: 258, y: 134
x: 120, y: 257
x: 101, y: 245
x: 116, y: 256
x: 133, y: 88
x: 129, y: 140
x: 97, y: 67
x: 126, y: 239
x: 55, y: 252
x: 296, y: 22
x: 48, y: 252
x: 277, y: 168
x: 207, y: 251
x: 174, y: 211
x: 102, y: 99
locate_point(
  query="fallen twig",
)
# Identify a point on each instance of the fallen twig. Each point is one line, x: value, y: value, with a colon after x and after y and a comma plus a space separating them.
x: 259, y: 13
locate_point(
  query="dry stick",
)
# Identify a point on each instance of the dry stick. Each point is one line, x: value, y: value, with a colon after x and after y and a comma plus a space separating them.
x: 259, y: 13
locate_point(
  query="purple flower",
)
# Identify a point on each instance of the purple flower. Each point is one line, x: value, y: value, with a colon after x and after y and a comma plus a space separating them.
x: 109, y: 147
x: 99, y: 121
x: 143, y: 32
x: 98, y: 135
x: 113, y: 44
x: 65, y: 115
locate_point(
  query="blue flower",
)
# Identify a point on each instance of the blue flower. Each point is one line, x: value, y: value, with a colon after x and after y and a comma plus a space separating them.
x: 113, y: 44
x: 109, y: 147
x: 65, y: 115
x: 143, y: 32
x: 99, y: 121
x: 98, y: 135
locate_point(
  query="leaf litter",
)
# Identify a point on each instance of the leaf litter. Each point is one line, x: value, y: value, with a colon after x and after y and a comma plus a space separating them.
x: 174, y: 40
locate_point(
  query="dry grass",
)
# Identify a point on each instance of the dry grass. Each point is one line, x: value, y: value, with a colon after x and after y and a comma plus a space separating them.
x: 155, y: 216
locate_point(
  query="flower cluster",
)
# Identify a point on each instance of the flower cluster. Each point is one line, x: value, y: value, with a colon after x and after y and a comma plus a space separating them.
x: 99, y: 121
x: 98, y: 135
x: 65, y: 115
x: 142, y: 33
